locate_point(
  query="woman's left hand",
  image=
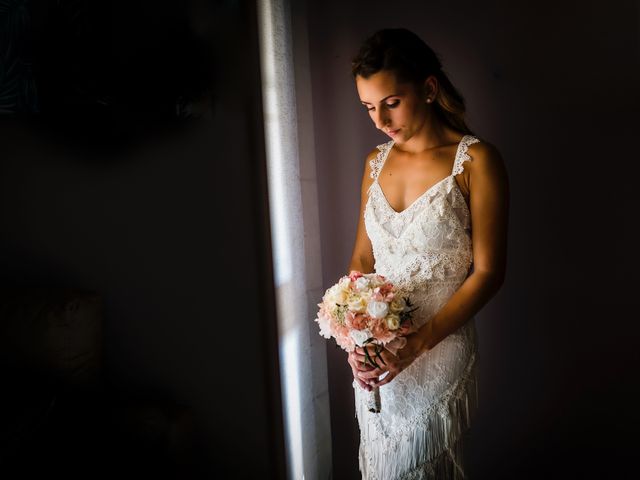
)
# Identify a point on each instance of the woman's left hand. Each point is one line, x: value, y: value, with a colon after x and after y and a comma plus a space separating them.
x: 393, y: 364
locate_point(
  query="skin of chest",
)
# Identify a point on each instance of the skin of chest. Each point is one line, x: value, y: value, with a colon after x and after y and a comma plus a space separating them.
x: 405, y: 177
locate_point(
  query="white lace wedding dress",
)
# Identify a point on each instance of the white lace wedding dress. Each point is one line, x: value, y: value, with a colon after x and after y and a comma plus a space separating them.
x: 425, y: 249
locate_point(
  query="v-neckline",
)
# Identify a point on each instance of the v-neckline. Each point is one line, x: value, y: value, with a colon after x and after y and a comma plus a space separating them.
x: 423, y: 194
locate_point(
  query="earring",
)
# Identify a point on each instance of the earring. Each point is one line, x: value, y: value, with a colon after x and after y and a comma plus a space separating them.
x: 428, y: 100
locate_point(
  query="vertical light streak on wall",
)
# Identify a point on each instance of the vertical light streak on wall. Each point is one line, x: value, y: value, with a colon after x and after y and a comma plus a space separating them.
x: 304, y: 384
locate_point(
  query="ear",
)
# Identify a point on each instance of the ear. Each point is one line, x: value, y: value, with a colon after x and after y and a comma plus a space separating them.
x: 430, y: 88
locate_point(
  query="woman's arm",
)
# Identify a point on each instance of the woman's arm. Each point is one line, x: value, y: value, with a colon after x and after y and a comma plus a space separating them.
x: 362, y: 260
x: 362, y: 256
x: 489, y: 206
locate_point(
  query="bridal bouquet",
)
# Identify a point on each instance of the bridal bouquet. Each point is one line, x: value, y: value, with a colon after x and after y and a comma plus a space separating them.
x: 366, y: 309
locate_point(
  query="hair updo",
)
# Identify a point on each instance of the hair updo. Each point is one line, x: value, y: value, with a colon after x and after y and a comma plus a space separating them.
x: 404, y: 53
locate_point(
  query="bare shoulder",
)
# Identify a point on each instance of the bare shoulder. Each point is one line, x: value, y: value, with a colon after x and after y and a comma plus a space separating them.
x: 486, y: 159
x: 484, y: 152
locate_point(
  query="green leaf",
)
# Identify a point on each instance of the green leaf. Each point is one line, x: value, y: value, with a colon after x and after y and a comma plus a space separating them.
x: 368, y: 357
x: 378, y: 355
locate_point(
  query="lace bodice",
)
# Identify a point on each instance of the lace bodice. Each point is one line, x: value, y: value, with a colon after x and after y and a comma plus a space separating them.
x: 431, y: 238
x: 425, y: 250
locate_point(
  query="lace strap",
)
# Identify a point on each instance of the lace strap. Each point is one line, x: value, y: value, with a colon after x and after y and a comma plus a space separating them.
x: 377, y: 162
x: 462, y: 155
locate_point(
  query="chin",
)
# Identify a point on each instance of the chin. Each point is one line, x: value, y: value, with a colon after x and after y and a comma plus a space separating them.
x: 394, y: 137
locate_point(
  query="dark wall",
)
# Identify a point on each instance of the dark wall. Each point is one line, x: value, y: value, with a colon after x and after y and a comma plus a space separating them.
x: 132, y: 164
x: 554, y: 86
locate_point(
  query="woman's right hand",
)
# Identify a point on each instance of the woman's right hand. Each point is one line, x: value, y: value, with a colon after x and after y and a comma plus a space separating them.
x: 359, y: 367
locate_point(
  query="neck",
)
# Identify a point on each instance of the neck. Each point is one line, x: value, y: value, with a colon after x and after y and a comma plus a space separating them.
x: 432, y: 134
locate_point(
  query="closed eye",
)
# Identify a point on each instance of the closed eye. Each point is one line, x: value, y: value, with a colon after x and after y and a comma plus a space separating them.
x: 389, y: 105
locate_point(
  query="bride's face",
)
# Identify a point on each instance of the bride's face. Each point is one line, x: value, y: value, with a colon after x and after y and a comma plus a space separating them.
x: 395, y: 108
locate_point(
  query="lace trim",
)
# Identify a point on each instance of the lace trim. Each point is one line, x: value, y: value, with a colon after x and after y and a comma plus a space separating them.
x: 462, y: 155
x: 427, y: 267
x: 458, y: 167
x: 376, y: 163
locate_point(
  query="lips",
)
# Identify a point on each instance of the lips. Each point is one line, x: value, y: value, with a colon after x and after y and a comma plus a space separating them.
x: 392, y: 132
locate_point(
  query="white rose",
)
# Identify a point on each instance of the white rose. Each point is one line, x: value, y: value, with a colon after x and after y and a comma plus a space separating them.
x: 358, y: 304
x: 377, y: 309
x: 393, y: 321
x: 336, y: 295
x: 360, y: 336
x: 362, y: 283
x: 332, y: 291
x: 344, y: 283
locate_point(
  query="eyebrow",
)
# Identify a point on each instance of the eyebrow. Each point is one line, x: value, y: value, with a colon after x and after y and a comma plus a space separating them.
x: 392, y: 95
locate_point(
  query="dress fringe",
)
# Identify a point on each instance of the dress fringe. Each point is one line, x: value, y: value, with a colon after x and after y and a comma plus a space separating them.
x: 432, y: 449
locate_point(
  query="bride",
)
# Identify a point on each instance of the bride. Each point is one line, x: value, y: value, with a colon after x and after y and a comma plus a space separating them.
x: 433, y: 220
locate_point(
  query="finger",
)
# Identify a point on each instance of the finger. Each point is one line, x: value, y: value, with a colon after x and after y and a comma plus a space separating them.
x: 359, y: 356
x: 368, y: 356
x: 364, y: 368
x: 355, y: 364
x: 390, y: 376
x: 360, y: 351
x: 361, y: 363
x: 375, y: 373
x: 380, y: 354
x: 360, y: 382
x: 351, y: 360
x: 383, y: 357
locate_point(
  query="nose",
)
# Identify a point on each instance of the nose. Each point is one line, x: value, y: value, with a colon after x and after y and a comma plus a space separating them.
x: 381, y: 118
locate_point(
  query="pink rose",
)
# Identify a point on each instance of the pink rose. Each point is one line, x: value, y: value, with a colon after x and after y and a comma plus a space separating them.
x: 406, y: 328
x: 360, y: 321
x: 386, y: 289
x: 348, y: 318
x: 377, y: 295
x: 354, y: 275
x: 381, y: 331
